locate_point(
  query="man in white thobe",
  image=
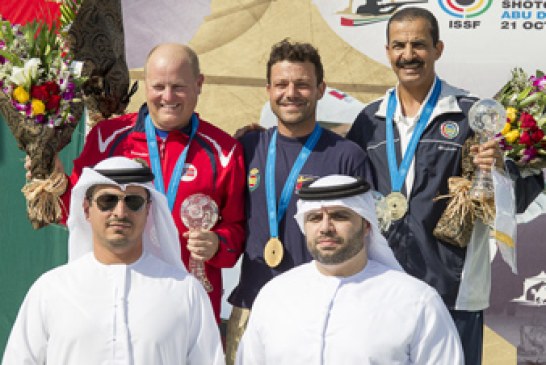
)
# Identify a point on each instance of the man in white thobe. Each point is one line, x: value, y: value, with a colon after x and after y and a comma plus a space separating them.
x: 352, y: 304
x: 124, y: 297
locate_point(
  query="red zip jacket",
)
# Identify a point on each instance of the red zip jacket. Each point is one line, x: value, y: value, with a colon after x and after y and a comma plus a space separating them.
x: 214, y: 166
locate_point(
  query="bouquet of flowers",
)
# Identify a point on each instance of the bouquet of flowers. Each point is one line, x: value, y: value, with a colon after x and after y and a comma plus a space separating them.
x: 41, y: 102
x: 523, y: 137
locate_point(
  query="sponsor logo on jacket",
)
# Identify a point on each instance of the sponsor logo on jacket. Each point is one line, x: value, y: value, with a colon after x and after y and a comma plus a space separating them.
x: 189, y: 173
x: 449, y: 130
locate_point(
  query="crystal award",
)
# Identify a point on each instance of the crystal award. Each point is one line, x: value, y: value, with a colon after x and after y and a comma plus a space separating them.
x: 487, y: 118
x: 199, y: 212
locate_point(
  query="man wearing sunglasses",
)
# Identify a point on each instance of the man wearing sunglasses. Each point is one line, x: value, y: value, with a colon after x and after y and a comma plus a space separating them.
x: 187, y: 155
x: 125, y: 296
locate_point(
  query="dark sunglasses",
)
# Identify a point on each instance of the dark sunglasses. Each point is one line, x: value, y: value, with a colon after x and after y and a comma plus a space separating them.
x: 107, y: 202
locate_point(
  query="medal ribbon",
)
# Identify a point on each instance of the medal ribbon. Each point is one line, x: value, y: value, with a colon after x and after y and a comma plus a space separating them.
x: 156, y: 163
x: 274, y: 215
x: 398, y: 175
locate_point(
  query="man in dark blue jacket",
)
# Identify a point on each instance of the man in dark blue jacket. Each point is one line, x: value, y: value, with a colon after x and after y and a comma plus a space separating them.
x: 421, y: 126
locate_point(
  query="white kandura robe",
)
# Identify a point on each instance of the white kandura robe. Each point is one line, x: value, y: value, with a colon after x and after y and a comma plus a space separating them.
x: 85, y: 312
x: 378, y: 316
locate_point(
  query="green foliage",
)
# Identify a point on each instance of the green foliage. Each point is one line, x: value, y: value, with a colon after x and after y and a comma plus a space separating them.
x: 69, y: 9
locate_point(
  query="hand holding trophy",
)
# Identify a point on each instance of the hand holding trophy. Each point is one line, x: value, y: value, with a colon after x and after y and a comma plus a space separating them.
x: 199, y: 212
x: 487, y: 118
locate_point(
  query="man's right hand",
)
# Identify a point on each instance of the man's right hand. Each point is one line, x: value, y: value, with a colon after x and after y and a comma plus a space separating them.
x: 57, y: 166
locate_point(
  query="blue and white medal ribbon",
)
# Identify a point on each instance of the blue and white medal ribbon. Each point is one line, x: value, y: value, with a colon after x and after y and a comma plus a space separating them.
x: 156, y: 162
x: 273, y: 251
x: 397, y: 203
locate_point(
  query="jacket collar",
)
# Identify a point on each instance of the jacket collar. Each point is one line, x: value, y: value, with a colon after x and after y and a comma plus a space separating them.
x: 142, y: 113
x: 447, y: 102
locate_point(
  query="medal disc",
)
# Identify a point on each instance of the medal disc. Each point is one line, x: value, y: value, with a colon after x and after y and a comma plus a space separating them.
x: 397, y: 204
x: 273, y: 252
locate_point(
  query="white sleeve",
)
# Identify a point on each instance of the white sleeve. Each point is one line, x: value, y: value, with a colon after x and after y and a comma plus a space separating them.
x: 27, y: 343
x: 204, y: 345
x: 436, y: 340
x: 251, y: 348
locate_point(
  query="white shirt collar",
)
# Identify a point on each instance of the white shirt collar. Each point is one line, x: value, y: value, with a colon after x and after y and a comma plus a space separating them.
x: 447, y: 102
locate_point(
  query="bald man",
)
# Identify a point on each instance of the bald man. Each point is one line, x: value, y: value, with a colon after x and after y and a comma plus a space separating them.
x: 187, y: 155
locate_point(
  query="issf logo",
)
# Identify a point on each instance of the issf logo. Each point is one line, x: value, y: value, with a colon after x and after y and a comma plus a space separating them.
x: 465, y: 9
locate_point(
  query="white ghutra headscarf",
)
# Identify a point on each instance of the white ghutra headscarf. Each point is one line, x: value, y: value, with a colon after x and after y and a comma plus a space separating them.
x: 160, y: 236
x: 349, y: 192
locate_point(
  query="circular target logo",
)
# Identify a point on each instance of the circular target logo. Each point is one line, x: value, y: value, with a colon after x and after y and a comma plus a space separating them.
x: 465, y: 8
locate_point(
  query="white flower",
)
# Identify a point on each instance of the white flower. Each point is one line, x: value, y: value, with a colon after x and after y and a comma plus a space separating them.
x: 25, y: 75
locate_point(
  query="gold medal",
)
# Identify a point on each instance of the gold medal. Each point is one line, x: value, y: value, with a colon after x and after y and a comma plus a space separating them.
x: 397, y: 205
x: 273, y: 252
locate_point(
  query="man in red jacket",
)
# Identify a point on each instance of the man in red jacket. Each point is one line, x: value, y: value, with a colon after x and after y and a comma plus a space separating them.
x: 187, y: 155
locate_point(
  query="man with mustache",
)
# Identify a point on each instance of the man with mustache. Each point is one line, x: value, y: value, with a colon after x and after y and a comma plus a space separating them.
x: 414, y: 138
x: 352, y: 304
x: 278, y: 161
x: 125, y: 296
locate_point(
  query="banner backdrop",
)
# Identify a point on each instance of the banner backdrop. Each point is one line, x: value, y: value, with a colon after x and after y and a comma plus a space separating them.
x: 147, y: 23
x: 518, y: 302
x: 484, y: 39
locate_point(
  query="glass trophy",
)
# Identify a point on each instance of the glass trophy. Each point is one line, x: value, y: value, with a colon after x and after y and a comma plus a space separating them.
x: 199, y: 212
x: 487, y: 118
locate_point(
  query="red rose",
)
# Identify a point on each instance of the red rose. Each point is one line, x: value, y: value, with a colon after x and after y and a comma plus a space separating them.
x: 537, y: 135
x: 527, y: 120
x: 39, y: 92
x: 525, y: 139
x: 53, y: 103
x: 52, y: 88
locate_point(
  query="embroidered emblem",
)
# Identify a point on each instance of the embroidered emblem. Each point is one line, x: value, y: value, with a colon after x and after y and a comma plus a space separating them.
x: 302, y: 179
x: 449, y: 130
x: 253, y: 179
x: 189, y: 173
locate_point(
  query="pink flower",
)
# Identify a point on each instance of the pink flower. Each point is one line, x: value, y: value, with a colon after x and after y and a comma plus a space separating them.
x: 529, y: 154
x: 504, y: 145
x: 538, y: 82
